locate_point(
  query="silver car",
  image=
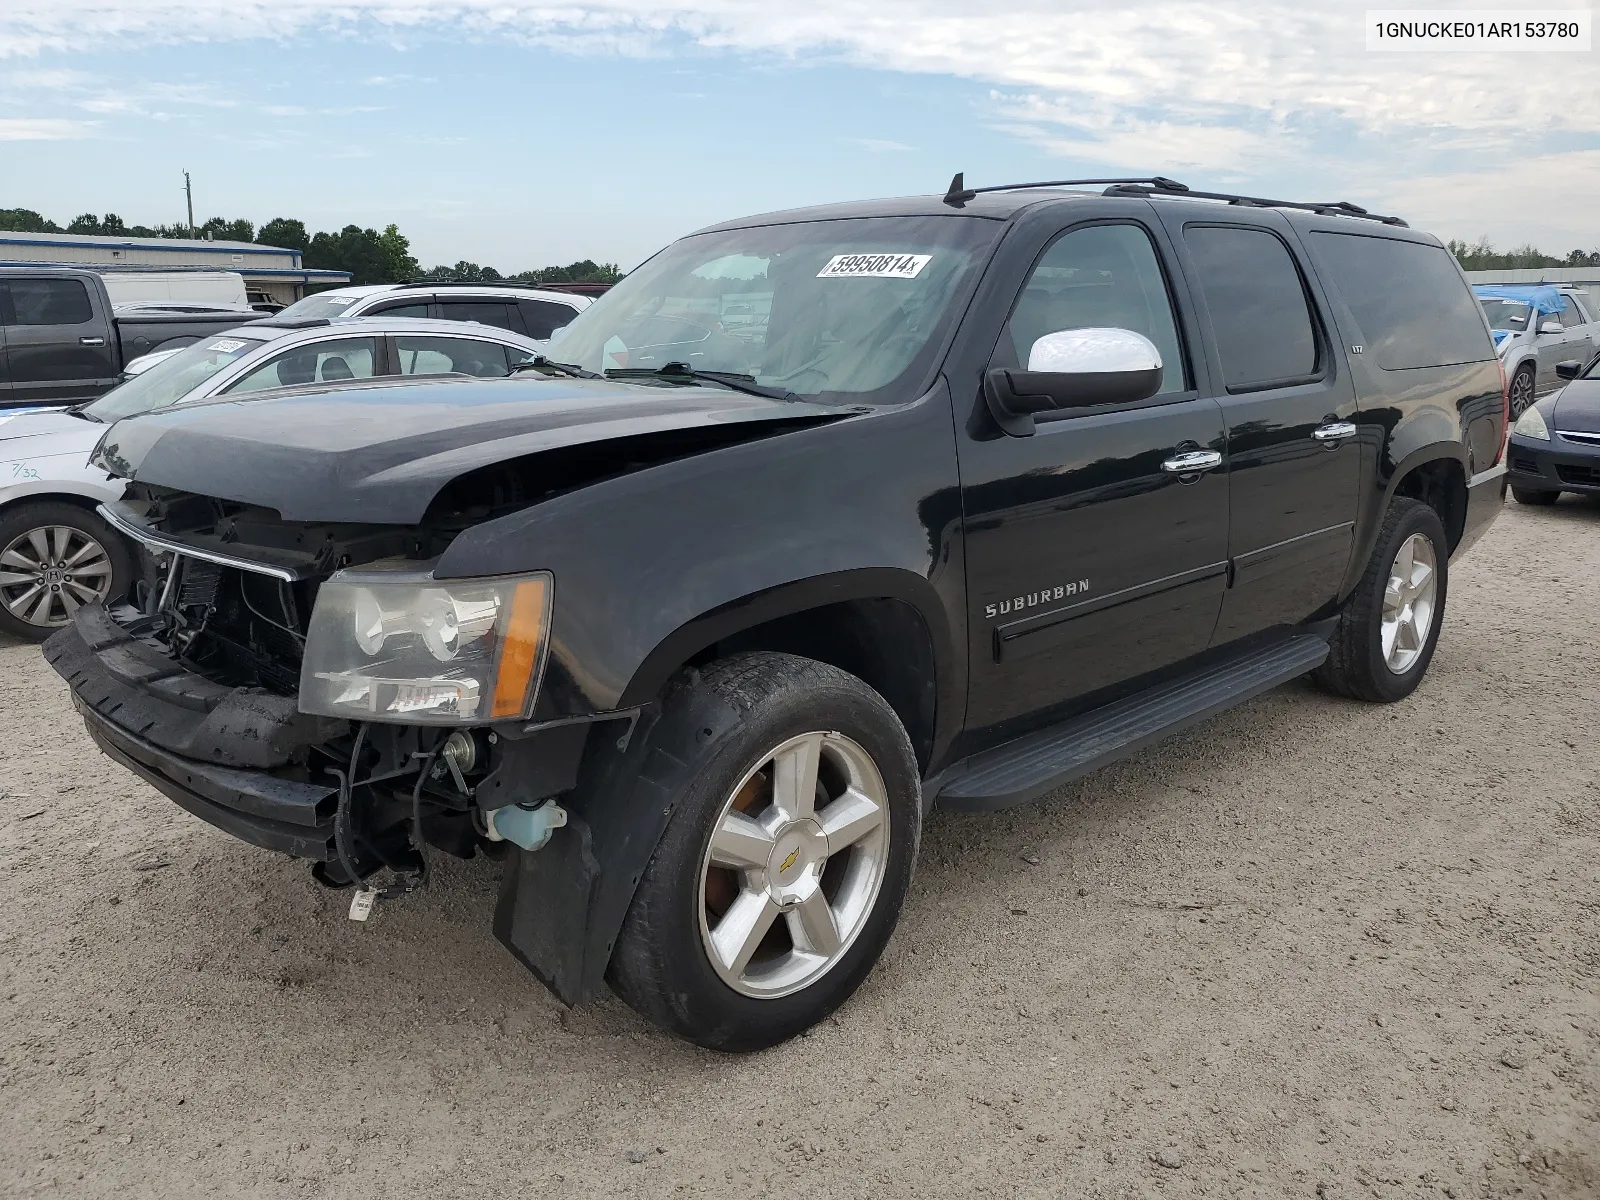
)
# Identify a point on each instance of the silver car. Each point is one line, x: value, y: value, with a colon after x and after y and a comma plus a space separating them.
x: 56, y: 554
x: 1536, y: 326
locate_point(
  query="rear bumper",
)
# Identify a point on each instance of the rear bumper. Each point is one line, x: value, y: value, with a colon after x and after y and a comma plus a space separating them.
x: 1486, y: 496
x: 1556, y: 466
x: 196, y: 742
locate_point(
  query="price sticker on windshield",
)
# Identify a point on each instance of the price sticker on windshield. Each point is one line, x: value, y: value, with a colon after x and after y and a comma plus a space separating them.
x: 225, y: 346
x: 874, y: 266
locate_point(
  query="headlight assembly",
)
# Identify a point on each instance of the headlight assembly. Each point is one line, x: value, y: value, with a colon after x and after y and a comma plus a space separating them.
x: 1531, y: 425
x: 391, y: 646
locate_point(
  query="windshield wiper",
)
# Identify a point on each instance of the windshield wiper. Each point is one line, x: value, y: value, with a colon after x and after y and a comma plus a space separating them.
x: 81, y: 412
x: 548, y: 364
x: 678, y: 372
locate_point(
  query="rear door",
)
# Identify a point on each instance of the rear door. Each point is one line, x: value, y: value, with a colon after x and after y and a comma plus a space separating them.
x: 58, y: 339
x: 1090, y: 559
x: 544, y: 317
x: 1293, y: 468
x: 502, y: 314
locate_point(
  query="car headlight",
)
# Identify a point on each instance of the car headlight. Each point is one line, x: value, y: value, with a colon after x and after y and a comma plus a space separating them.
x: 391, y: 646
x: 1531, y: 425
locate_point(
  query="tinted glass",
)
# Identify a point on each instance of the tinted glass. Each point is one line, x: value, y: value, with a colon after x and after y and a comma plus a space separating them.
x: 544, y: 317
x: 427, y: 355
x: 171, y: 379
x: 399, y: 310
x: 49, y: 302
x: 320, y: 362
x: 486, y: 312
x: 1105, y: 275
x: 819, y: 308
x: 323, y: 304
x: 1411, y: 304
x: 1258, y: 305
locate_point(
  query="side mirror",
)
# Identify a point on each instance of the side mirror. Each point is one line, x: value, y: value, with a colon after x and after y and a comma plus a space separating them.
x: 1552, y: 326
x: 1075, y: 368
x: 1568, y: 369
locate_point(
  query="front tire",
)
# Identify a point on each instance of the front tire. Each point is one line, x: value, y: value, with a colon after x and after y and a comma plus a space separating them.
x: 1389, y: 627
x: 56, y: 557
x: 1534, y: 499
x: 782, y: 871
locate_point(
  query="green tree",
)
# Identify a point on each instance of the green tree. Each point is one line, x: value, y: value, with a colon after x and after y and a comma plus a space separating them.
x: 359, y: 251
x: 285, y: 233
x: 25, y: 220
x: 398, y: 263
x: 88, y: 223
x: 227, y: 231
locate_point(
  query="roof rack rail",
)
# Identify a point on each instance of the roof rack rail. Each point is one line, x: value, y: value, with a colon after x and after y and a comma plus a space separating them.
x: 1159, y: 185
x: 508, y: 283
x: 959, y: 193
x: 1327, y: 208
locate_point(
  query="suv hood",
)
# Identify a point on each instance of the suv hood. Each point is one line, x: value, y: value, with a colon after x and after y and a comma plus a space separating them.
x: 1577, y: 408
x: 381, y: 454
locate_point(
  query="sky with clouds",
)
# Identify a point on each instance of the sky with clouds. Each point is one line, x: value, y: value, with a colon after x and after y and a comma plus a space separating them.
x: 524, y: 132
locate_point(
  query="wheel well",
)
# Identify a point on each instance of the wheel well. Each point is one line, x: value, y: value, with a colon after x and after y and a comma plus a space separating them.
x: 86, y: 503
x: 1441, y: 484
x: 885, y: 643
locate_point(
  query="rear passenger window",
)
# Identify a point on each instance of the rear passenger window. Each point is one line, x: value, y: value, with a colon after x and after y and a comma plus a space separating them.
x: 486, y: 312
x: 49, y: 302
x: 401, y: 310
x: 1259, y: 310
x: 1094, y: 277
x: 1409, y: 300
x: 544, y: 317
x: 428, y: 355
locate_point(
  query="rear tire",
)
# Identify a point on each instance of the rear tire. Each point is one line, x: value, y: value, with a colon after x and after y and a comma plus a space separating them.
x: 1519, y: 393
x: 54, y: 558
x: 1533, y: 498
x: 742, y: 944
x: 1389, y: 626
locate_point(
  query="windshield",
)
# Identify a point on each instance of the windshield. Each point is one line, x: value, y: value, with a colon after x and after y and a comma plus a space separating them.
x: 319, y: 306
x: 1510, y: 315
x: 170, y: 380
x: 818, y: 307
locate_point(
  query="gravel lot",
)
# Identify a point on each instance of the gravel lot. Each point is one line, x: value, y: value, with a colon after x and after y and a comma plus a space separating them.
x: 1314, y: 948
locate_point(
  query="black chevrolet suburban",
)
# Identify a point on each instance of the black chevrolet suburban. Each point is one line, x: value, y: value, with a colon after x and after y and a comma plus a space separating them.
x: 815, y: 521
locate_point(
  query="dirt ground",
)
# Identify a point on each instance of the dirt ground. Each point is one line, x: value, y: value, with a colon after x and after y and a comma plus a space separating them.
x: 1314, y: 948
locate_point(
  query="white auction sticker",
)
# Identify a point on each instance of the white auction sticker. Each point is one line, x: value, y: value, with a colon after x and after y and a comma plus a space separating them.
x: 225, y: 345
x: 1479, y: 30
x: 874, y: 266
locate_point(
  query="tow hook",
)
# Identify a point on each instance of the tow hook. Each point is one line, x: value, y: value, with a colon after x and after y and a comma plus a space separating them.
x: 528, y: 826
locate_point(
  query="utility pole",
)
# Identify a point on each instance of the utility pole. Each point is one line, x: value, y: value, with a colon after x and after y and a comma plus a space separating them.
x: 188, y: 195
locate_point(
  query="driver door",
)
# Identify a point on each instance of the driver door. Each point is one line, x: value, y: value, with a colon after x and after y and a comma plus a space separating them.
x: 1090, y: 560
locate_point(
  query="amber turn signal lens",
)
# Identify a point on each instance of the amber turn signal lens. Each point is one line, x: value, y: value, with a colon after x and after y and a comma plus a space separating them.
x: 522, y: 650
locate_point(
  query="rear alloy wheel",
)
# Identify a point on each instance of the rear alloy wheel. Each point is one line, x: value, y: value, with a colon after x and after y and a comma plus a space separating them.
x: 55, y: 558
x: 1520, y: 391
x: 787, y: 857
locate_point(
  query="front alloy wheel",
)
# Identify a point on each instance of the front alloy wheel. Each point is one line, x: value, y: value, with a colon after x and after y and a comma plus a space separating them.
x: 48, y: 573
x: 794, y: 865
x: 786, y: 858
x: 1521, y: 391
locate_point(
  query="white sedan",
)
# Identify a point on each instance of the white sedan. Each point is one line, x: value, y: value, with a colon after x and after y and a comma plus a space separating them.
x: 56, y: 554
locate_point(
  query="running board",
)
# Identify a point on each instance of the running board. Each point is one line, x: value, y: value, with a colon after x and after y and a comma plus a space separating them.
x: 1031, y: 766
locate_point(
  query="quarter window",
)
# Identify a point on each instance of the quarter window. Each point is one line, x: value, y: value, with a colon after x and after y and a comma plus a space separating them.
x: 49, y: 302
x: 544, y: 317
x: 1259, y: 309
x: 429, y: 355
x: 1409, y: 300
x: 320, y: 362
x: 1095, y: 277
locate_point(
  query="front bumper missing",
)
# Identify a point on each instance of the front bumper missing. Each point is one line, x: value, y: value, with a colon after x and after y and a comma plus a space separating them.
x: 231, y: 756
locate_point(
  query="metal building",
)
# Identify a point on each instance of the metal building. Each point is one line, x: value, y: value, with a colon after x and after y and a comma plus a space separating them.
x: 270, y: 273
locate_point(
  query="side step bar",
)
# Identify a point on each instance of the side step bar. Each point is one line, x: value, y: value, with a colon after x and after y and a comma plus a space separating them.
x: 1038, y: 763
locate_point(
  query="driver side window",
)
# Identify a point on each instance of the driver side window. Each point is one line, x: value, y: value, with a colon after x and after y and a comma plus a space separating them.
x: 1104, y: 276
x: 320, y: 362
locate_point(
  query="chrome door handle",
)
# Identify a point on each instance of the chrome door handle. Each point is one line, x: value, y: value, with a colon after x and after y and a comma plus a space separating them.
x: 1192, y: 461
x: 91, y: 341
x: 1335, y: 431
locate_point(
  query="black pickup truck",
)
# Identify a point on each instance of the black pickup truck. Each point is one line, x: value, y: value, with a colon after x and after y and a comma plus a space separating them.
x: 814, y: 522
x: 61, y: 342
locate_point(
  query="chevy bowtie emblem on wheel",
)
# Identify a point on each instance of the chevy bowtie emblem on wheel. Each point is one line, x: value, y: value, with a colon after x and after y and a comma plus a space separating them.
x: 789, y: 862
